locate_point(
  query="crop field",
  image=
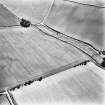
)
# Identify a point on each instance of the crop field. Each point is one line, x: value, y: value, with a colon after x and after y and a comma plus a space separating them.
x: 81, y: 85
x: 32, y: 55
x: 39, y: 65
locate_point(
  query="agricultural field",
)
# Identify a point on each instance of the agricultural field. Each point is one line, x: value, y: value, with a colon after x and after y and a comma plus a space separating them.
x: 37, y: 68
x: 77, y: 85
